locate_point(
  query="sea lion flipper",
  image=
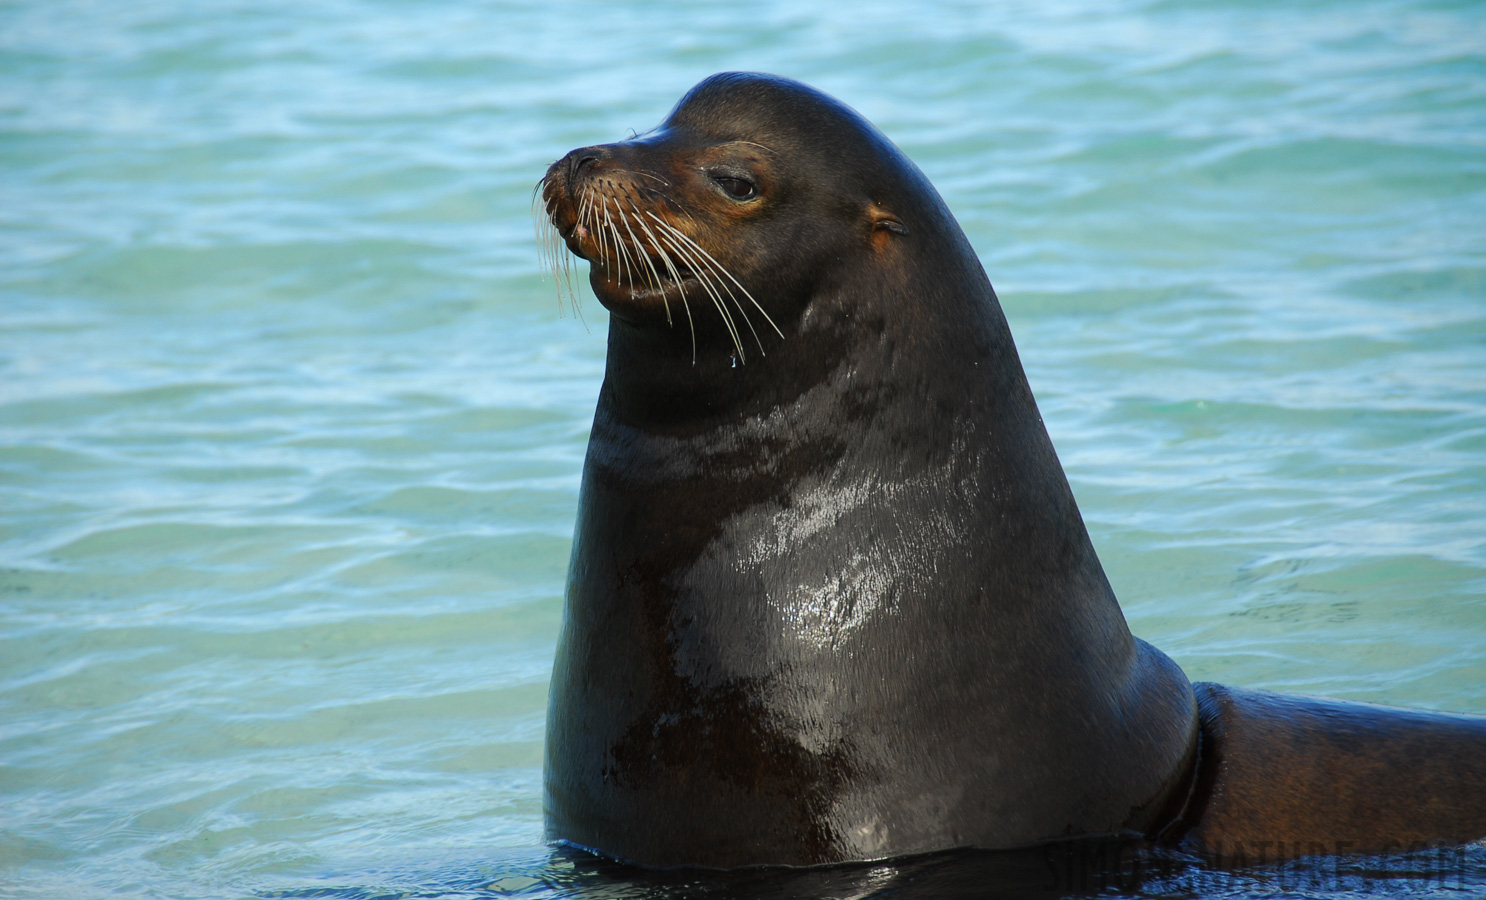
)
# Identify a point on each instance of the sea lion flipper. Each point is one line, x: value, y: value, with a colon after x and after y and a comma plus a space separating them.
x: 1307, y: 776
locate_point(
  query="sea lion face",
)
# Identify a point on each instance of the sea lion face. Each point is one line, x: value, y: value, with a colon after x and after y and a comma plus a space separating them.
x: 726, y: 218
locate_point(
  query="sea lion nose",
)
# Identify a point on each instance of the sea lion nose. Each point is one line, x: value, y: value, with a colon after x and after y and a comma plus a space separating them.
x: 584, y: 157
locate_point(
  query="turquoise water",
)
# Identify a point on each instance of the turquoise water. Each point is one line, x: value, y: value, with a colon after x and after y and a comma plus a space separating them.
x: 290, y: 425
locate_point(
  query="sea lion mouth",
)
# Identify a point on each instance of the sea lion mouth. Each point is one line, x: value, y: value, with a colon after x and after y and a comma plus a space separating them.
x: 614, y: 261
x: 638, y: 259
x: 628, y: 269
x: 671, y: 283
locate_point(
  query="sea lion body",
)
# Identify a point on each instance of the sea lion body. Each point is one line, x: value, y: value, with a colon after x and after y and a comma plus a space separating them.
x: 831, y: 600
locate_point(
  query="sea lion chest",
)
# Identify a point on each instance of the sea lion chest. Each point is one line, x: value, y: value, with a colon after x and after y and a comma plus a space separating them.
x: 732, y: 615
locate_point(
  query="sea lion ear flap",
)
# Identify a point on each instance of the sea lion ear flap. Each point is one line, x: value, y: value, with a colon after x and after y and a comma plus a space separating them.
x: 884, y: 224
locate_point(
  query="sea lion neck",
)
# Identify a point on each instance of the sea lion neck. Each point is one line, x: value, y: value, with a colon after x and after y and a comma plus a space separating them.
x: 652, y: 381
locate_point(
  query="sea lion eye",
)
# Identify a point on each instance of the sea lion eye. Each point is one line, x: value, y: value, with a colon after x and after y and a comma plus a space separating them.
x: 737, y: 188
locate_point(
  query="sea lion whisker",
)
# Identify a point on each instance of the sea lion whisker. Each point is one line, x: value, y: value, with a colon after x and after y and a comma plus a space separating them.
x: 718, y: 270
x: 623, y: 217
x: 626, y: 246
x: 542, y: 225
x: 654, y: 276
x: 567, y: 258
x: 621, y: 255
x: 763, y: 147
x: 585, y: 202
x: 587, y: 217
x: 723, y: 269
x: 652, y: 175
x: 615, y: 244
x: 598, y: 231
x: 632, y: 268
x: 580, y: 219
x: 537, y: 220
x: 706, y: 271
x: 582, y: 212
x: 717, y: 302
x: 706, y: 275
x: 634, y: 252
x: 639, y: 244
x: 665, y: 258
x: 567, y: 263
x: 549, y: 247
x: 561, y: 262
x: 727, y: 317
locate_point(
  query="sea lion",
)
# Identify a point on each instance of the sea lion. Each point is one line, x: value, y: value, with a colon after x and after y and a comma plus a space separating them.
x: 830, y: 597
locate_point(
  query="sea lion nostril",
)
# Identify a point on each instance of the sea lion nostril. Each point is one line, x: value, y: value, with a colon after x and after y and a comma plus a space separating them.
x: 579, y: 160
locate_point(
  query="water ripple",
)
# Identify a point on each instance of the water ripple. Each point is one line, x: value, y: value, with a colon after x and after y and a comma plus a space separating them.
x: 290, y: 429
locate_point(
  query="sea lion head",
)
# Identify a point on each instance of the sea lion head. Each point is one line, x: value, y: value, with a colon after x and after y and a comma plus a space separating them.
x: 756, y: 201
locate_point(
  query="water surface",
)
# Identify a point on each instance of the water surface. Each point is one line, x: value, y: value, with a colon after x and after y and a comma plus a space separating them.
x: 291, y: 428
